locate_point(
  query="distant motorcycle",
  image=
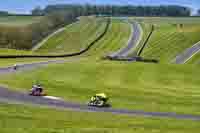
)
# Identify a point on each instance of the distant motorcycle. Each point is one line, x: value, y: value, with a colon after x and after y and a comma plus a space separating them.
x: 15, y: 67
x: 37, y: 90
x: 99, y: 100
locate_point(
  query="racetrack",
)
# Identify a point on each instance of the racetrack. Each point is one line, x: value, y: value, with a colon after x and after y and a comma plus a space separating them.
x: 23, y: 98
x: 187, y: 54
x: 134, y: 40
x: 8, y: 96
x: 30, y: 66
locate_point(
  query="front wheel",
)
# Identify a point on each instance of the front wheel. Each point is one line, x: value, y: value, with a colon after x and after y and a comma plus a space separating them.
x: 100, y: 104
x: 90, y: 104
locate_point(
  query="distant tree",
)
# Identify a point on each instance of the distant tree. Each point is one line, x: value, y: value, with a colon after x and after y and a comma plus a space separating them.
x: 198, y: 12
x: 115, y: 10
x: 37, y: 11
x: 3, y: 13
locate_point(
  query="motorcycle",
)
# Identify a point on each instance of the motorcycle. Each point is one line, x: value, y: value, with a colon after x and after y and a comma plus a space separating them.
x: 99, y: 100
x: 37, y: 92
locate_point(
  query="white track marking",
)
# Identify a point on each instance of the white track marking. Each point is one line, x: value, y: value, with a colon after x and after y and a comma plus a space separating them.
x: 53, y: 98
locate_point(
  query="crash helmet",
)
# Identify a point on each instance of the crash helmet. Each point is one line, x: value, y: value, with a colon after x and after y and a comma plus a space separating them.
x: 39, y: 85
x: 34, y: 86
x: 102, y: 95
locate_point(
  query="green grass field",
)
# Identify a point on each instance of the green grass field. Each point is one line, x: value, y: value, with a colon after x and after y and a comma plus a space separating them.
x: 18, y: 20
x: 11, y: 62
x: 169, y: 40
x: 5, y: 51
x: 116, y: 37
x: 168, y: 20
x: 134, y: 86
x: 163, y: 43
x: 75, y: 37
x: 23, y: 119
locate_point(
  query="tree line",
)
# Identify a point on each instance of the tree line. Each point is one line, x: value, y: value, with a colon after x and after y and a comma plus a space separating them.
x: 56, y: 16
x: 114, y: 10
x: 198, y: 12
x: 4, y: 13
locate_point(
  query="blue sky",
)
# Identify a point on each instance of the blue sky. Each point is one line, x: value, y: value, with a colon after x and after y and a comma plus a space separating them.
x: 24, y: 6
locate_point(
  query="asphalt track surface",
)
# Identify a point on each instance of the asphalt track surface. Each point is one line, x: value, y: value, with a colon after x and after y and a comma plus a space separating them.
x: 187, y: 54
x: 132, y: 42
x: 10, y: 96
x: 23, y: 67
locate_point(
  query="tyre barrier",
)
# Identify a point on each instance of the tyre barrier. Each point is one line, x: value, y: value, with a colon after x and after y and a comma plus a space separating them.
x: 130, y: 59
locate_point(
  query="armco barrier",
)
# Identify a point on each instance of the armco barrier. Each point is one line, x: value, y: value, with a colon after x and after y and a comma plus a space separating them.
x: 63, y: 55
x: 146, y: 41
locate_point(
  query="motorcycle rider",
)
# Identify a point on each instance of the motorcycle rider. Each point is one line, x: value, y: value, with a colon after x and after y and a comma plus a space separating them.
x: 98, y: 100
x: 15, y: 66
x: 37, y: 89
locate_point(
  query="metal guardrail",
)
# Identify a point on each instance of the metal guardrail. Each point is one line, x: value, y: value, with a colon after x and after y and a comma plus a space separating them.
x: 146, y: 41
